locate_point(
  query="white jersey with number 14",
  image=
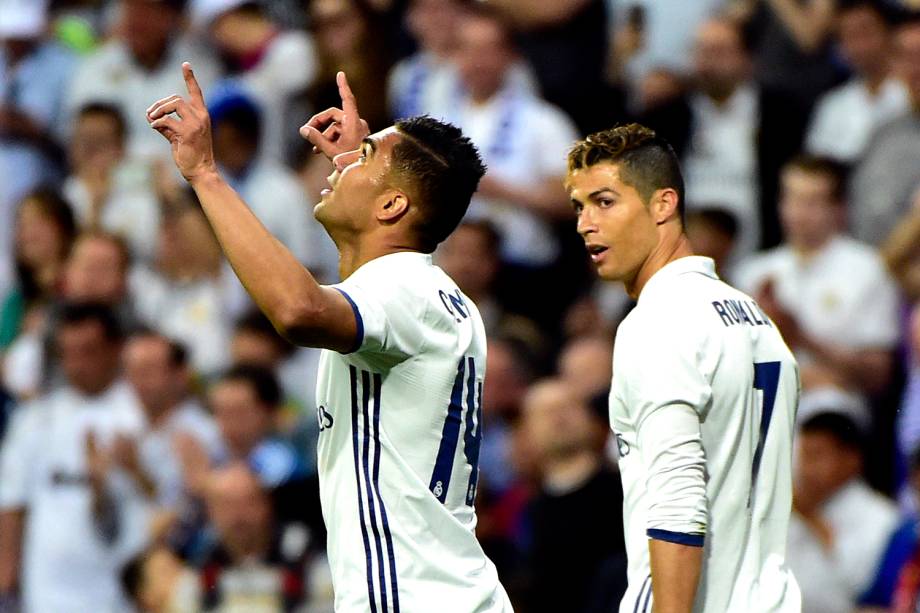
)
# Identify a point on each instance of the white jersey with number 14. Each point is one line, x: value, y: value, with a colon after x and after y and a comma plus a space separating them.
x: 400, y: 431
x: 703, y: 406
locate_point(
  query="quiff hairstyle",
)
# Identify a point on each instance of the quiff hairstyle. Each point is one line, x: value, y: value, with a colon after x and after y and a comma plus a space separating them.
x: 647, y: 162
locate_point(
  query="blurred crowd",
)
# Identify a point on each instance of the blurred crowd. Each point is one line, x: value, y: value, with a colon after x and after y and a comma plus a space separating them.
x: 158, y: 436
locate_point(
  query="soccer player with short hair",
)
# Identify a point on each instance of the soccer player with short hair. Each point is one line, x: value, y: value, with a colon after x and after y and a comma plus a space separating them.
x: 399, y: 388
x: 703, y: 398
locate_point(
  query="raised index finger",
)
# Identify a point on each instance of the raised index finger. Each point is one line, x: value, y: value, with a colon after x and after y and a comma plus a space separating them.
x: 349, y: 103
x: 194, y: 90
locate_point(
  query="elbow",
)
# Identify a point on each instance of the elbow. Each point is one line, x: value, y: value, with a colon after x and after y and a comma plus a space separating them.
x: 295, y: 320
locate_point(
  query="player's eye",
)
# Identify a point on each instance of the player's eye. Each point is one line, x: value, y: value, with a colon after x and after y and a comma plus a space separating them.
x: 605, y: 202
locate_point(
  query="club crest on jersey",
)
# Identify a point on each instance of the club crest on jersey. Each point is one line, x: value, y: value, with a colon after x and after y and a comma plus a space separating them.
x: 438, y: 489
x: 622, y: 446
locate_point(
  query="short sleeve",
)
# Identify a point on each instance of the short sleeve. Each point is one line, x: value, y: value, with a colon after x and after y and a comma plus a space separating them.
x: 390, y: 315
x: 668, y: 394
x: 17, y: 456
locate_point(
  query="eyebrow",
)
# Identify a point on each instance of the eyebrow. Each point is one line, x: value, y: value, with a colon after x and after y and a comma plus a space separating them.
x: 600, y: 191
x: 369, y: 142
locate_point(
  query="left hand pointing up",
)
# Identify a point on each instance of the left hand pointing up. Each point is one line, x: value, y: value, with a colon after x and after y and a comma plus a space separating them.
x: 189, y: 132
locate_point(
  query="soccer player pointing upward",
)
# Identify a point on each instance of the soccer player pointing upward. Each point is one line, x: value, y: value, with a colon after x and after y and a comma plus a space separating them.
x: 703, y: 397
x: 399, y: 389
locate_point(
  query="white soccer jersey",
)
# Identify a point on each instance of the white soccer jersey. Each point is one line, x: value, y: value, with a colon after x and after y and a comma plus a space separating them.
x: 703, y: 407
x: 400, y: 431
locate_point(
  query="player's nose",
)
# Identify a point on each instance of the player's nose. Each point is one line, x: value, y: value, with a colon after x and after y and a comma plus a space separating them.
x: 343, y: 160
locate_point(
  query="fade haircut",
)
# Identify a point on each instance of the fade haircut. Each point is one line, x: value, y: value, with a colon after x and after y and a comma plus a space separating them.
x: 647, y: 162
x: 443, y: 168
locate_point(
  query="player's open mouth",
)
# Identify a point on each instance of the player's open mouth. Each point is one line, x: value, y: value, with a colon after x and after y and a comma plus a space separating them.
x: 326, y: 192
x: 596, y: 252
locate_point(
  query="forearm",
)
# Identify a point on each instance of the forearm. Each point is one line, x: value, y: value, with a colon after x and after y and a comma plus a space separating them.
x: 279, y: 284
x: 675, y: 575
x: 11, y: 528
x: 868, y: 370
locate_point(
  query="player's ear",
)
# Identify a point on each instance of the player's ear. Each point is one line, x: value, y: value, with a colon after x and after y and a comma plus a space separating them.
x: 665, y: 205
x: 392, y: 206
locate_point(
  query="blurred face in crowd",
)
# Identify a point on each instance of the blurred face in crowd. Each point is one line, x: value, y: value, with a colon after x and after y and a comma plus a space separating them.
x: 339, y: 27
x: 96, y: 271
x: 823, y: 464
x: 616, y: 223
x: 231, y: 149
x: 251, y: 347
x: 187, y: 248
x: 721, y: 63
x: 587, y: 366
x: 39, y: 239
x: 864, y: 40
x: 240, y: 511
x: 708, y: 239
x: 89, y: 360
x: 146, y: 26
x: 557, y: 420
x: 433, y: 23
x: 809, y: 212
x: 97, y: 141
x: 907, y: 59
x: 483, y: 55
x: 242, y: 418
x: 158, y: 382
x: 469, y: 257
x: 504, y: 386
x: 360, y: 180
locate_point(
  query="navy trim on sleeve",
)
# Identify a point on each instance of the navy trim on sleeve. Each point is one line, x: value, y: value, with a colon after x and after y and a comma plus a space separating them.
x: 680, y: 538
x: 359, y: 321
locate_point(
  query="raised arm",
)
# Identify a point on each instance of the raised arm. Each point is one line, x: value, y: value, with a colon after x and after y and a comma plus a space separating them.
x: 303, y: 311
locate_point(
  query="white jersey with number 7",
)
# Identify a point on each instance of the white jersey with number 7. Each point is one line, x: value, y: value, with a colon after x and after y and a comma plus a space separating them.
x: 400, y: 430
x: 703, y: 406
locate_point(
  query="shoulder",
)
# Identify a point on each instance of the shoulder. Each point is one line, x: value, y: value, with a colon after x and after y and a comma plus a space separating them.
x: 548, y: 116
x: 753, y: 269
x: 273, y: 179
x: 837, y: 97
x: 107, y: 56
x: 861, y: 260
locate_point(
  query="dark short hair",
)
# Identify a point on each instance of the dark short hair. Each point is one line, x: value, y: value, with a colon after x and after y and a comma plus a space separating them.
x: 79, y: 313
x: 647, y: 162
x: 262, y: 381
x: 443, y: 167
x: 840, y: 427
x: 108, y: 110
x: 720, y: 218
x: 255, y: 322
x: 825, y: 167
x: 884, y: 10
x: 178, y: 353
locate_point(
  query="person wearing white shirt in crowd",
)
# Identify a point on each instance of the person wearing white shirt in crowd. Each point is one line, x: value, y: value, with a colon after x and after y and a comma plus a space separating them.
x: 34, y: 76
x: 840, y: 527
x: 846, y: 117
x: 831, y: 295
x: 270, y: 63
x: 522, y: 139
x: 69, y: 515
x: 183, y: 294
x: 138, y: 63
x: 105, y: 189
x: 157, y: 369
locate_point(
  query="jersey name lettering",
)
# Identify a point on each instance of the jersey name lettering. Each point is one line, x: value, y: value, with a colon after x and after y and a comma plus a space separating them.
x: 733, y: 312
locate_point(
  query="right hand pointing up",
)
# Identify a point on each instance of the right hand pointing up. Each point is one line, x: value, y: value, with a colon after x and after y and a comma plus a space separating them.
x: 337, y: 130
x: 189, y: 133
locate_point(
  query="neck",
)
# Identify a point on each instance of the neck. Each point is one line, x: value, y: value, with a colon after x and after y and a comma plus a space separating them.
x: 354, y: 255
x: 567, y: 473
x: 665, y: 253
x: 874, y: 79
x: 151, y: 60
x: 254, y: 548
x: 158, y: 415
x: 808, y: 251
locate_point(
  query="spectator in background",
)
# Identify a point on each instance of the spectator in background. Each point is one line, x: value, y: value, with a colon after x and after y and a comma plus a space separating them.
x: 839, y: 527
x: 846, y: 117
x: 157, y: 369
x: 270, y: 63
x: 96, y: 271
x: 830, y: 295
x: 137, y: 65
x: 106, y: 189
x: 576, y: 518
x: 245, y: 402
x: 44, y: 233
x: 182, y: 295
x: 566, y: 42
x: 34, y: 75
x: 712, y: 231
x: 426, y: 81
x: 733, y: 134
x: 57, y: 464
x: 885, y: 179
x: 522, y: 193
x: 158, y: 582
x: 586, y: 366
